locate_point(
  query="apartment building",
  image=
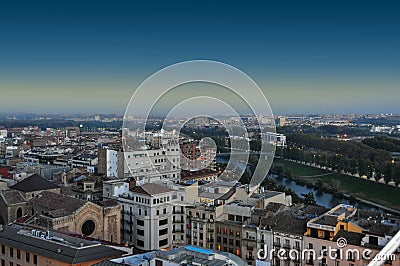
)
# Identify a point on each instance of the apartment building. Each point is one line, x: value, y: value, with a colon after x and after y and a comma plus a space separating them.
x: 196, y: 156
x: 201, y: 225
x: 152, y: 214
x: 155, y: 157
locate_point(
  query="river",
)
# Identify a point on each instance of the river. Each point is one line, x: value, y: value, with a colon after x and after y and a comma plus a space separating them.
x: 325, y: 199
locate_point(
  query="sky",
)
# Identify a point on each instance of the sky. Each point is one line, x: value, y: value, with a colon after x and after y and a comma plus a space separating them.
x: 308, y: 57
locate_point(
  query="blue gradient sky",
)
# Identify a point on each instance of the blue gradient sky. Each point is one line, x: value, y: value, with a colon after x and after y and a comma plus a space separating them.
x: 307, y: 56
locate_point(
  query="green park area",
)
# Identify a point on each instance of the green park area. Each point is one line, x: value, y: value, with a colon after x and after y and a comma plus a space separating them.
x: 360, y: 188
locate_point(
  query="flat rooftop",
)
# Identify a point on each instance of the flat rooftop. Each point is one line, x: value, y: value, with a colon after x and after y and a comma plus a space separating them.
x: 55, y: 245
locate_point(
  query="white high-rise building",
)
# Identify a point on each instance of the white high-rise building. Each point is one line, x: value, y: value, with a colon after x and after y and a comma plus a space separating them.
x: 153, y: 215
x: 158, y: 158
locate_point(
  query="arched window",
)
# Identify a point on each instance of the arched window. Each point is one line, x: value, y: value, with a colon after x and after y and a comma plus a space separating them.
x: 19, y: 212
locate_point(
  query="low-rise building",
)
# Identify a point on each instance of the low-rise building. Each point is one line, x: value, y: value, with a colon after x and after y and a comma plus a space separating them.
x: 185, y: 255
x: 22, y: 245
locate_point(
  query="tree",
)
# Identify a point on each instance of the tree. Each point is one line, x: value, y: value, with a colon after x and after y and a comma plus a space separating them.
x: 309, y: 198
x: 288, y: 173
x: 335, y: 184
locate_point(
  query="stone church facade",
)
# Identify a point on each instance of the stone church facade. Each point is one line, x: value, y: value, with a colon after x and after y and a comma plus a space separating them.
x: 64, y: 213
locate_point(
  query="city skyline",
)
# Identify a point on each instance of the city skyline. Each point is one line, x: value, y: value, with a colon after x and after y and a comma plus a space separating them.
x: 306, y: 57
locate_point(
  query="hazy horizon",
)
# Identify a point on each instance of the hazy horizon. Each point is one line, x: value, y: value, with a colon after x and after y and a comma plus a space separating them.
x: 307, y: 57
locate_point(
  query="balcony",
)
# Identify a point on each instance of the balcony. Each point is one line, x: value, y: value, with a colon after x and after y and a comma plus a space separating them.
x: 177, y: 211
x: 286, y: 246
x: 251, y: 257
x: 250, y: 248
x: 210, y: 230
x: 178, y: 221
x: 296, y: 247
x: 177, y: 230
x: 210, y: 240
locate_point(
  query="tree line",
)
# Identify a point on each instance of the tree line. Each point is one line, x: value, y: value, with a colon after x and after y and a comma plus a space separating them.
x: 348, y: 157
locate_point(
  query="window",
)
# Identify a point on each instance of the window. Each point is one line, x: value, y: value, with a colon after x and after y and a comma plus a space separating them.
x: 163, y: 222
x: 11, y: 252
x: 35, y: 259
x: 27, y: 257
x: 140, y: 232
x: 231, y: 217
x: 324, y: 251
x: 140, y: 222
x: 163, y: 242
x: 18, y: 254
x: 3, y: 249
x: 140, y: 243
x: 163, y: 232
x: 3, y: 263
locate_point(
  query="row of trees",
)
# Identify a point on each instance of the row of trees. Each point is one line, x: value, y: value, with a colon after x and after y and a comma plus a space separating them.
x: 342, y: 156
x: 384, y: 143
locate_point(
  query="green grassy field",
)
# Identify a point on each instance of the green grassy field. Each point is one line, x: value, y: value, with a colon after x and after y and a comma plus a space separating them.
x: 372, y: 191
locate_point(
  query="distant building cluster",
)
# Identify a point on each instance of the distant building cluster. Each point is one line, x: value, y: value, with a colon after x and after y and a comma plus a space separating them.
x: 70, y: 197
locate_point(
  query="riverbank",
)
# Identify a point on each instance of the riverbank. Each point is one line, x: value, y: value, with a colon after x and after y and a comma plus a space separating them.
x: 352, y: 188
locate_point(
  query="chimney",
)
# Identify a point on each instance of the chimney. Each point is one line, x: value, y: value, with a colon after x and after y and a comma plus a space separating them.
x: 132, y: 182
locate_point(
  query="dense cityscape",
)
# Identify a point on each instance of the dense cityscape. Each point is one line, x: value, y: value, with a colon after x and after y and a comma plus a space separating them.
x: 199, y: 133
x: 72, y: 193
